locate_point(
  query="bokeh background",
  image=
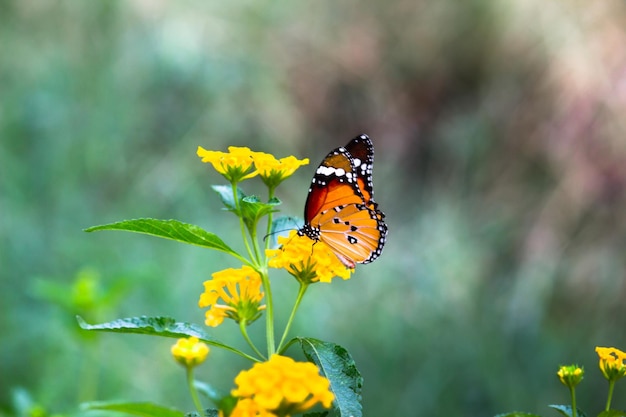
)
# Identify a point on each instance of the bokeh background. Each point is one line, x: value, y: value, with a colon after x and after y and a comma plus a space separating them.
x: 500, y: 135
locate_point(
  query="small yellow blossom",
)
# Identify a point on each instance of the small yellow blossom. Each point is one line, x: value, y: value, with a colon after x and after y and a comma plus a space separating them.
x: 239, y: 289
x: 247, y: 407
x: 273, y: 171
x: 281, y: 386
x: 216, y: 315
x: 570, y: 375
x: 307, y: 260
x: 611, y: 362
x: 190, y: 351
x: 234, y: 165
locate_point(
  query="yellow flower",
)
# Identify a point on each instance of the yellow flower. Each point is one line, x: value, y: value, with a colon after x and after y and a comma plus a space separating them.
x: 234, y: 165
x: 273, y: 171
x: 281, y: 386
x: 570, y: 375
x: 246, y: 407
x: 307, y: 260
x: 239, y: 289
x: 190, y: 351
x: 611, y: 362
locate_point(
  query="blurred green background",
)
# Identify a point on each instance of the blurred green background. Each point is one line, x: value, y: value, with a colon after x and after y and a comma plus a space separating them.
x: 500, y: 162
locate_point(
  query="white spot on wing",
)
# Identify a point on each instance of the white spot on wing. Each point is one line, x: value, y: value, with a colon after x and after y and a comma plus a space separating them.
x: 326, y: 171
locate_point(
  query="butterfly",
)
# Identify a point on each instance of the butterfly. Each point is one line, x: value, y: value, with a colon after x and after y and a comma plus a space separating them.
x: 340, y: 210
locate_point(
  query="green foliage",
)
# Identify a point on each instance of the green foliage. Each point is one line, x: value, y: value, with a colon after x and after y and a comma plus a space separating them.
x: 612, y: 413
x: 241, y: 298
x: 170, y: 229
x: 337, y: 365
x: 281, y: 226
x: 211, y: 393
x: 87, y: 295
x: 500, y: 176
x: 157, y: 326
x: 248, y: 208
x: 334, y: 361
x: 206, y: 413
x: 566, y: 410
x: 611, y: 363
x: 134, y: 409
x: 24, y: 405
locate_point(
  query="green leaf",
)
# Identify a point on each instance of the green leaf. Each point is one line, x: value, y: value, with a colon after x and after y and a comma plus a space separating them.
x: 250, y: 208
x: 612, y: 413
x: 155, y: 326
x: 281, y: 226
x: 517, y: 414
x: 285, y: 224
x: 207, y: 413
x: 210, y: 392
x: 226, y: 403
x: 23, y: 403
x: 135, y: 409
x: 226, y: 195
x: 158, y: 326
x: 85, y: 295
x: 337, y: 365
x: 566, y: 410
x: 170, y: 229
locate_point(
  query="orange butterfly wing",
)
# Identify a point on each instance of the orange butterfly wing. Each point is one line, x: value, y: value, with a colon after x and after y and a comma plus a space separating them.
x: 362, y: 152
x: 340, y: 210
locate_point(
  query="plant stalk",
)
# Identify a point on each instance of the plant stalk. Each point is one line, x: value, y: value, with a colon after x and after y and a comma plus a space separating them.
x: 244, y: 331
x: 610, y: 396
x: 193, y: 391
x: 269, y: 318
x: 301, y: 291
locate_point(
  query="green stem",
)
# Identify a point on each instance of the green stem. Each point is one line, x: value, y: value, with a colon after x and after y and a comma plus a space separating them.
x: 301, y: 291
x: 269, y: 220
x: 255, y: 246
x: 243, y: 260
x: 610, y: 397
x: 572, y: 391
x: 291, y: 342
x: 244, y: 331
x: 241, y: 222
x: 230, y: 349
x: 269, y: 317
x: 193, y: 391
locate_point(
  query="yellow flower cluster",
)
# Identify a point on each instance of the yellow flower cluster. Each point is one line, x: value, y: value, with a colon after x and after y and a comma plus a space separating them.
x: 190, y: 351
x: 236, y: 164
x: 273, y: 171
x: 570, y: 375
x: 611, y: 362
x: 239, y: 289
x: 280, y: 387
x: 307, y: 260
x: 247, y: 407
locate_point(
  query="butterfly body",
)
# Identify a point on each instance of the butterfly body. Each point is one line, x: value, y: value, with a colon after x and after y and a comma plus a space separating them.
x: 340, y: 210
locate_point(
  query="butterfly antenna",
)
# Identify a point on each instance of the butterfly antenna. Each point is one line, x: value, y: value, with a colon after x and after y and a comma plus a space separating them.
x: 286, y: 223
x: 278, y: 232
